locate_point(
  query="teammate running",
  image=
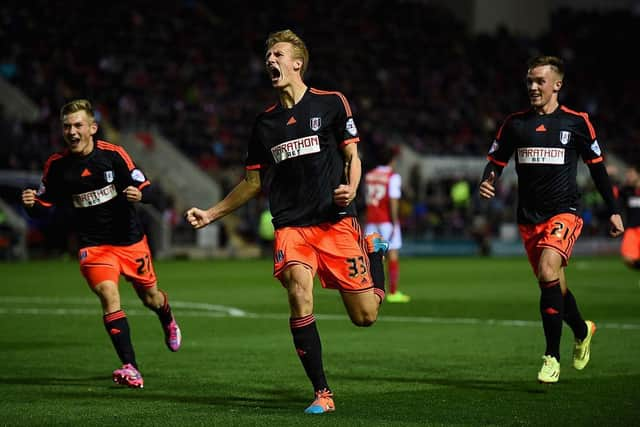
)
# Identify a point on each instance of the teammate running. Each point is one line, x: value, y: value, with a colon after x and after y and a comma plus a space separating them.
x: 305, y: 147
x: 101, y: 182
x: 547, y: 140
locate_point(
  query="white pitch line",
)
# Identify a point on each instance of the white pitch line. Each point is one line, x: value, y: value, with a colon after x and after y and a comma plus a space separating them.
x: 196, y: 309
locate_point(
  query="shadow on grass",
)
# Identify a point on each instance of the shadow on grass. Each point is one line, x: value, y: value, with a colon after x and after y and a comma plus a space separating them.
x: 527, y: 386
x: 84, y: 381
x: 216, y: 394
x: 462, y: 383
x: 274, y: 399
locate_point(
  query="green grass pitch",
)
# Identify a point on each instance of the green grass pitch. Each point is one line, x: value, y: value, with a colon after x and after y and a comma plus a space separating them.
x: 464, y: 352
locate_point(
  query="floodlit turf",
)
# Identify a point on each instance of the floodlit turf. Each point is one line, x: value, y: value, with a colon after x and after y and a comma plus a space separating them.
x: 464, y: 352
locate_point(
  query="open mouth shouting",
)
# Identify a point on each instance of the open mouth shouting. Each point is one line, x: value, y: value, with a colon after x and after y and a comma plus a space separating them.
x: 275, y: 74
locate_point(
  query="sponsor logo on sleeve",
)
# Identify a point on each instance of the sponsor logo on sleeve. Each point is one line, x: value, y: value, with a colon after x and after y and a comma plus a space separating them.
x: 596, y: 148
x: 351, y: 127
x: 137, y: 175
x: 41, y: 190
x: 541, y: 156
x: 494, y: 147
x: 296, y: 148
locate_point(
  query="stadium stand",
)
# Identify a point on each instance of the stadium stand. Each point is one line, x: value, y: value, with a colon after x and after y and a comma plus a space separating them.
x: 415, y: 73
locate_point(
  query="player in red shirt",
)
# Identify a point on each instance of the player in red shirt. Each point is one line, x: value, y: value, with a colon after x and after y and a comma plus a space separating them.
x: 384, y: 190
x: 547, y: 140
x: 102, y: 183
x: 305, y: 148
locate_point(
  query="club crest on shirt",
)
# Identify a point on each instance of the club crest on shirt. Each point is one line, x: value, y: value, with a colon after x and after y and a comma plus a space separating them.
x: 315, y: 123
x: 596, y: 148
x: 108, y: 176
x: 351, y: 127
x: 565, y: 136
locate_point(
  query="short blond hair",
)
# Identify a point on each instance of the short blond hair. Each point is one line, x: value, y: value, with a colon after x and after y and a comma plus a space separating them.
x: 75, y: 106
x: 556, y: 63
x: 300, y: 50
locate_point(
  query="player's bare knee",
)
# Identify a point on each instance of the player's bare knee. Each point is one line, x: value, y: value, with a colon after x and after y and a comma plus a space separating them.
x: 547, y: 272
x: 364, y: 319
x: 150, y: 297
x: 299, y: 294
x: 300, y: 300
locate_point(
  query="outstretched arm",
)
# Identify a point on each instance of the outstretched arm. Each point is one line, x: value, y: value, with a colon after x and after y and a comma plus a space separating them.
x: 248, y: 188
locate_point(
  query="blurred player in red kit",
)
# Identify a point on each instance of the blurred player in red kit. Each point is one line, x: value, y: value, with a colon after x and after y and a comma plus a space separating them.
x: 384, y: 190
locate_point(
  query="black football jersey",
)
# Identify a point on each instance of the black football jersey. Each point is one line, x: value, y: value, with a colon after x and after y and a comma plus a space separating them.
x: 93, y: 185
x: 299, y: 149
x: 546, y: 150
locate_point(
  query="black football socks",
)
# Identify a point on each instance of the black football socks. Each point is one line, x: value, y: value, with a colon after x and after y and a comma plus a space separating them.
x: 307, y: 343
x: 164, y: 311
x: 376, y: 266
x: 552, y: 312
x: 573, y: 318
x: 117, y: 327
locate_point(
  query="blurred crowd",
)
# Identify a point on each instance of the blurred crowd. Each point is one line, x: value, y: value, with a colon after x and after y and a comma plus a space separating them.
x: 413, y: 72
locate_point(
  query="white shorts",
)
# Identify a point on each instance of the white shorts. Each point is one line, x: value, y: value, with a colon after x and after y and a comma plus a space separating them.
x: 388, y: 232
